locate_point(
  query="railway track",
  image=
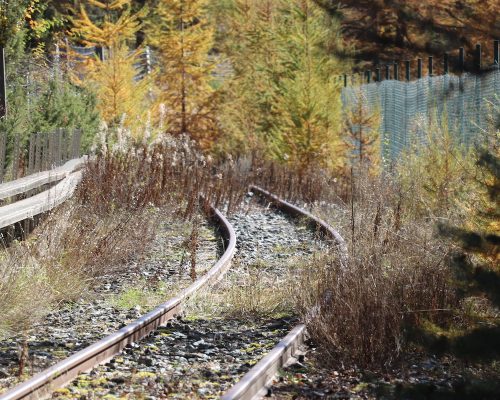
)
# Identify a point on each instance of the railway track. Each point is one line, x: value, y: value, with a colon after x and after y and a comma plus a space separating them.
x: 199, y: 354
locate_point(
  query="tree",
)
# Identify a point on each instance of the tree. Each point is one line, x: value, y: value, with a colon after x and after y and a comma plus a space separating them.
x: 114, y: 78
x: 11, y: 18
x: 361, y: 137
x: 122, y: 97
x: 179, y: 31
x: 251, y: 110
x: 309, y: 96
x: 113, y: 24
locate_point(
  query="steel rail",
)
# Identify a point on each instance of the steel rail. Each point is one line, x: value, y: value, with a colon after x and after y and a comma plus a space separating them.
x: 42, y: 385
x: 255, y: 382
x: 316, y: 222
x: 34, y: 181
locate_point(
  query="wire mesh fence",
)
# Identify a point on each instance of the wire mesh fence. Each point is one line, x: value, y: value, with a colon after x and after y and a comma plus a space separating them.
x: 409, y: 111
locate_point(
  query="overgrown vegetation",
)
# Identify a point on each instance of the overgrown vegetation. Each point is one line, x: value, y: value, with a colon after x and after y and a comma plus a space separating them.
x: 396, y: 276
x: 244, y: 91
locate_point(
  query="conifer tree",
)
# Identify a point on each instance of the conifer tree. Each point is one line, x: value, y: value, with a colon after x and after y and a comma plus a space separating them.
x: 251, y: 110
x: 361, y: 136
x: 480, y: 232
x: 113, y: 78
x: 180, y: 32
x: 121, y: 96
x: 115, y: 24
x: 309, y: 96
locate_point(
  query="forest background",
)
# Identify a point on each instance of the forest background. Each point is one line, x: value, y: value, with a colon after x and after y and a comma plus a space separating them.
x: 237, y: 76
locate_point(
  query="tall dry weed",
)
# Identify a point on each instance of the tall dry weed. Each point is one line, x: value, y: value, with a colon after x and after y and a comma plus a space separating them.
x: 395, y: 278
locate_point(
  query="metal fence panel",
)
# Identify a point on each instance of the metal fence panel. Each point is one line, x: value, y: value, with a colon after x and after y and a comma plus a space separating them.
x: 409, y: 110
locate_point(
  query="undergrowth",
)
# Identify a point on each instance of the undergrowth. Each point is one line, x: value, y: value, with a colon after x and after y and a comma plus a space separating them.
x: 396, y: 275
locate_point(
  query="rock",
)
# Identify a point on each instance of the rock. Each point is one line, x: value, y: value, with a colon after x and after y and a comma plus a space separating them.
x: 146, y: 361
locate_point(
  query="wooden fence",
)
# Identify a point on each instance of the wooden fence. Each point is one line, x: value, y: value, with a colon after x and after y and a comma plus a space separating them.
x: 39, y: 152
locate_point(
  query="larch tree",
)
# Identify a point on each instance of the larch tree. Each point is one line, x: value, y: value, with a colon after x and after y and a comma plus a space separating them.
x: 309, y: 94
x: 250, y: 112
x: 361, y: 134
x: 121, y: 95
x: 180, y: 32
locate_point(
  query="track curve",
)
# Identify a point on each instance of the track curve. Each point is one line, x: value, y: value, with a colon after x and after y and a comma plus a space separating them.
x: 254, y: 384
x: 42, y: 384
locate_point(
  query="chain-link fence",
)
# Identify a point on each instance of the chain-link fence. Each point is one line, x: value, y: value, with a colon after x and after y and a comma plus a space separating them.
x: 409, y: 111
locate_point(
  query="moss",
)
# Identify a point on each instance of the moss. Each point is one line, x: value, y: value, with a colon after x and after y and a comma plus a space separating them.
x: 110, y: 397
x: 144, y: 375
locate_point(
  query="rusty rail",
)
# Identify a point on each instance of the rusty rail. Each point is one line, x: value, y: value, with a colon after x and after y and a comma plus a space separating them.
x: 317, y: 223
x: 254, y: 384
x: 41, y: 385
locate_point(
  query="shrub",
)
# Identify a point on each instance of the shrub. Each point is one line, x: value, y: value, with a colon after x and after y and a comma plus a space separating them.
x: 396, y: 276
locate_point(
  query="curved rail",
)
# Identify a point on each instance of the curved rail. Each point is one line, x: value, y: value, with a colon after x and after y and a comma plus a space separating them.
x: 317, y: 223
x: 254, y: 384
x: 42, y: 384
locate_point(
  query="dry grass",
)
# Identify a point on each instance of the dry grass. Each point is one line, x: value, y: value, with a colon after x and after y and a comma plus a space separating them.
x: 111, y: 219
x: 396, y: 277
x: 249, y: 292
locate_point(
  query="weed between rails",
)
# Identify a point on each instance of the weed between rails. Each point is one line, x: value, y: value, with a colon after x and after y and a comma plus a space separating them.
x: 110, y: 220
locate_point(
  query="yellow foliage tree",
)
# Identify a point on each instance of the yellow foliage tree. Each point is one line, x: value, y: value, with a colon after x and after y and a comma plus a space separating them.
x: 121, y: 95
x: 114, y: 78
x: 117, y: 24
x: 251, y: 43
x: 183, y: 38
x: 435, y: 170
x: 309, y: 94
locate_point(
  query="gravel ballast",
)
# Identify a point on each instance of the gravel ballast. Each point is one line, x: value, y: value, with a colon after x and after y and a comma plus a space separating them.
x: 417, y: 375
x: 115, y: 300
x: 203, y: 354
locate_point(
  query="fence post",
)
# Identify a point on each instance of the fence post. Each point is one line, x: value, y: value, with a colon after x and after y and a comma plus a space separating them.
x: 368, y: 76
x: 52, y: 148
x: 38, y: 152
x: 3, y: 145
x: 77, y: 136
x: 148, y: 60
x: 478, y: 61
x: 396, y: 71
x: 377, y: 74
x: 100, y: 53
x: 446, y: 63
x: 419, y: 68
x: 345, y: 80
x: 31, y: 154
x: 46, y: 153
x: 66, y: 145
x: 407, y: 71
x: 496, y: 52
x: 15, y: 158
x: 461, y: 59
x: 3, y: 84
x: 387, y: 72
x: 431, y: 66
x: 57, y: 145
